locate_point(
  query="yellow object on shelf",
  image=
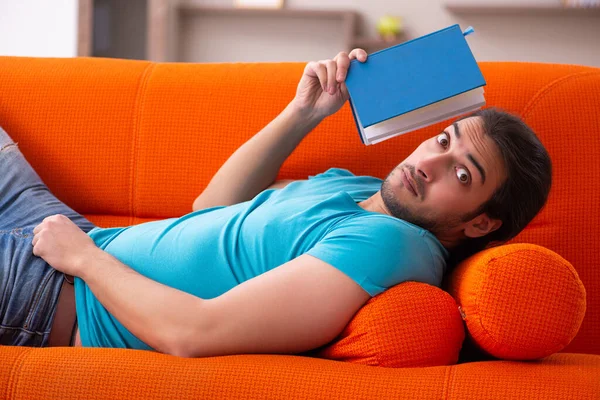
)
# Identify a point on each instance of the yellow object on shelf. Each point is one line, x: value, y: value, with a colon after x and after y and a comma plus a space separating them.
x: 389, y: 27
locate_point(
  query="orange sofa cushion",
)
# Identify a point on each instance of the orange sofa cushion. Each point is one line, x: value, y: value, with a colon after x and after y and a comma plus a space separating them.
x: 409, y: 325
x: 519, y: 301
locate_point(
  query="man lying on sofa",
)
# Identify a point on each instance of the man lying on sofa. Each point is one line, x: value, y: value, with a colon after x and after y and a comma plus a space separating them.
x: 208, y: 283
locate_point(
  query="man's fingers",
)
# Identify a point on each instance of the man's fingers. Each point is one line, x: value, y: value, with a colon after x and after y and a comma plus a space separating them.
x: 343, y: 62
x: 37, y: 229
x: 358, y: 54
x: 314, y: 68
x: 331, y: 71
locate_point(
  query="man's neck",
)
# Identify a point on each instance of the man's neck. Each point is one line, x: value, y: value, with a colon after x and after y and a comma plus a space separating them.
x: 375, y: 203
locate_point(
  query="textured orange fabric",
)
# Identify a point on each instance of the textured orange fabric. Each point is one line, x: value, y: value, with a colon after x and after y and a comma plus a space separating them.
x: 520, y: 301
x: 125, y: 142
x: 74, y: 122
x: 86, y: 373
x: 565, y: 113
x: 409, y: 325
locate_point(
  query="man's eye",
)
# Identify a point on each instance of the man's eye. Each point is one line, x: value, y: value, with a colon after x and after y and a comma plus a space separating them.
x: 463, y: 175
x: 443, y: 140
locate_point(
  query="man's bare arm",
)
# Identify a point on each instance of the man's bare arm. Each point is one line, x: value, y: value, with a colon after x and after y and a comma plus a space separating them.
x: 300, y: 306
x: 255, y: 165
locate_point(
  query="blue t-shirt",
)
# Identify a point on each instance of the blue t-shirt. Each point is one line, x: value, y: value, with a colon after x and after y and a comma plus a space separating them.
x: 208, y: 252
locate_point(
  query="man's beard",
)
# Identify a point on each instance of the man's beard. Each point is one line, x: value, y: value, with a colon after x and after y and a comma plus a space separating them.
x: 398, y: 210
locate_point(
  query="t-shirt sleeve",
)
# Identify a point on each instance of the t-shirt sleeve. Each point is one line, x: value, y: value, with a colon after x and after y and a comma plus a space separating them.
x: 376, y: 252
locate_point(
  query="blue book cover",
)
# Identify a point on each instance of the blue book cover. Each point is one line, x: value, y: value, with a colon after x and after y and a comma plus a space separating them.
x: 411, y: 75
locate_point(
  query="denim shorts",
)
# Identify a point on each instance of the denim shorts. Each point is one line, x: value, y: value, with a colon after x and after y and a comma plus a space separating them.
x: 29, y: 287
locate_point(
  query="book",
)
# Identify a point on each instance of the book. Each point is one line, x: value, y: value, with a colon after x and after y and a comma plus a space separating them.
x: 414, y: 84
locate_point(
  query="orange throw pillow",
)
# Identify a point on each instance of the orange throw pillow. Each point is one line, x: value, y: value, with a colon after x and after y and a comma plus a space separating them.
x: 519, y: 301
x: 409, y: 325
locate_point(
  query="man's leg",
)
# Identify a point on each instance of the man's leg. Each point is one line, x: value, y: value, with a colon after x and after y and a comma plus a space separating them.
x: 24, y: 199
x: 29, y: 287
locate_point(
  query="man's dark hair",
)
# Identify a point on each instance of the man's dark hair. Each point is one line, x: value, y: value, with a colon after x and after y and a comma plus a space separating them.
x: 522, y: 195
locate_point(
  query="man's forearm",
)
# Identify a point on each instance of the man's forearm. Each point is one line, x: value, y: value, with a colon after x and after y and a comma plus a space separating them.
x: 255, y: 165
x: 155, y: 313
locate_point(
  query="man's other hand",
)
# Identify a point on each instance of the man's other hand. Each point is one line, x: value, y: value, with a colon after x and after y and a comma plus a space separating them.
x: 62, y: 244
x: 322, y: 91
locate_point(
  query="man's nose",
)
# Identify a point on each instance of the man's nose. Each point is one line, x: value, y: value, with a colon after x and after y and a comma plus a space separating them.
x: 431, y: 167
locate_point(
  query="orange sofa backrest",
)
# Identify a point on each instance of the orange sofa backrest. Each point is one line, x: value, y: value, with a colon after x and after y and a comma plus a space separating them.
x: 125, y: 142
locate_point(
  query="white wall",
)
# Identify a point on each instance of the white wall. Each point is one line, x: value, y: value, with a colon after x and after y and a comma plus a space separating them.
x: 38, y: 28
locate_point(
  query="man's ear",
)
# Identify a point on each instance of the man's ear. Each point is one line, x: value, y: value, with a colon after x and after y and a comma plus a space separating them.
x: 481, y: 226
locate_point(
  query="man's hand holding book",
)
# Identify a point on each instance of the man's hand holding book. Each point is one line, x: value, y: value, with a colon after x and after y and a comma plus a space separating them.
x: 322, y: 91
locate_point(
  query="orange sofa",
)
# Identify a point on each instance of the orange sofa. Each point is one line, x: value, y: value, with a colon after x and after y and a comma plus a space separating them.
x: 125, y: 142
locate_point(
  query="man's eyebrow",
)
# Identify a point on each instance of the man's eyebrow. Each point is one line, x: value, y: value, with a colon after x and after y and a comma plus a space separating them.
x: 456, y: 130
x: 478, y: 166
x: 469, y: 156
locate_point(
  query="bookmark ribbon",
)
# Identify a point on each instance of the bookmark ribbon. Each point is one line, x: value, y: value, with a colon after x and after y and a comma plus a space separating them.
x: 468, y: 31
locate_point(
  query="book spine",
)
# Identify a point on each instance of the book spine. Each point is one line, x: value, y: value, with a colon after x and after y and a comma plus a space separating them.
x: 355, y: 120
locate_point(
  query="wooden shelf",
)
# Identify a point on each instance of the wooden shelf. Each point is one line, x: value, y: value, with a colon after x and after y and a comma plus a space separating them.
x: 522, y: 8
x: 168, y: 22
x: 277, y: 12
x: 349, y: 16
x: 300, y: 20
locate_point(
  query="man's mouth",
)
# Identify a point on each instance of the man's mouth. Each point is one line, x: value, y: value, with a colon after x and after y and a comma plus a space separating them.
x: 408, y: 182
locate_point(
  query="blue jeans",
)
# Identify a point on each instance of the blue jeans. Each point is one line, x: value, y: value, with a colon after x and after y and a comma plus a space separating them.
x: 29, y: 287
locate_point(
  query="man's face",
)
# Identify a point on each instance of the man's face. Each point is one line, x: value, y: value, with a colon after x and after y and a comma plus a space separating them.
x: 454, y: 172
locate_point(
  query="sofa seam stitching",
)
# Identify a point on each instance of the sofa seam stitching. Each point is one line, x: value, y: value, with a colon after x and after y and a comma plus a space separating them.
x: 540, y: 93
x: 139, y: 106
x: 447, y: 382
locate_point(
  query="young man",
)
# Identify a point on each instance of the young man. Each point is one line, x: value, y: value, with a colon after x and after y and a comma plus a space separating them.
x: 209, y: 283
